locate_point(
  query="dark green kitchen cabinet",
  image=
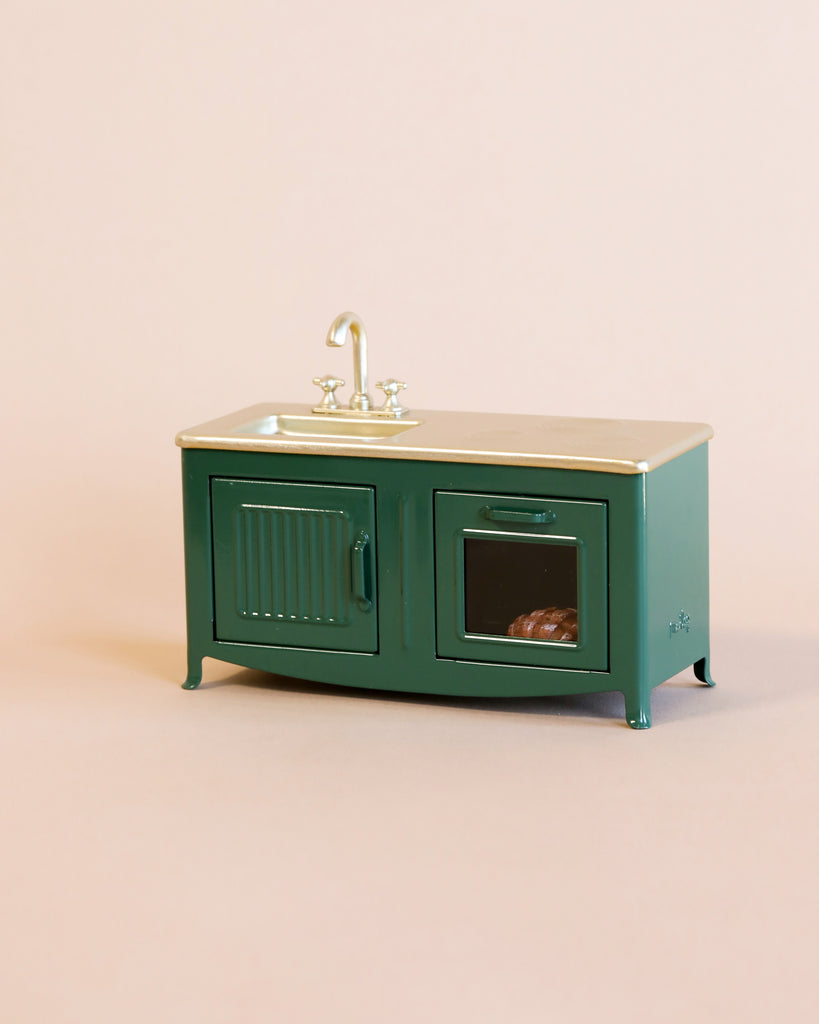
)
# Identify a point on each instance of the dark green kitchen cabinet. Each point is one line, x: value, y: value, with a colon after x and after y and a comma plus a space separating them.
x: 402, y: 573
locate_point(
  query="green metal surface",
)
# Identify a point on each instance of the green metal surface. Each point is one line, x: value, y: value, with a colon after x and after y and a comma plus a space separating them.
x: 645, y: 557
x: 290, y: 564
x: 677, y: 563
x: 577, y: 524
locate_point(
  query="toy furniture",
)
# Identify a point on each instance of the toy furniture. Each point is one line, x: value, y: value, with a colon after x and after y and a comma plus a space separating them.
x: 447, y: 553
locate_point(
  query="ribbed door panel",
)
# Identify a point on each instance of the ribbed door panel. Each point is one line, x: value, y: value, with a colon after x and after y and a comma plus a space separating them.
x: 281, y: 555
x: 290, y: 564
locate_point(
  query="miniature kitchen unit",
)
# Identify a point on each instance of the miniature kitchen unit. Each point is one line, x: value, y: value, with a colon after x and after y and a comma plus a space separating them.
x: 449, y: 553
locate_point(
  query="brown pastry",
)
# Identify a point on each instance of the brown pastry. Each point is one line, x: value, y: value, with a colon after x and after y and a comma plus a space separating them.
x: 546, y: 624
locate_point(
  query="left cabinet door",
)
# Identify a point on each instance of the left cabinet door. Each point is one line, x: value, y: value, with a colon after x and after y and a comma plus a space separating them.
x: 294, y: 564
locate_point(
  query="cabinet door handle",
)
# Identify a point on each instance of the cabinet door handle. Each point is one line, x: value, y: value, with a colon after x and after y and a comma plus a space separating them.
x: 361, y: 588
x: 518, y: 515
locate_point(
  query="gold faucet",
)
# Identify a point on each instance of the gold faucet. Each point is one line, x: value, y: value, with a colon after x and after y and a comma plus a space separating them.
x: 360, y: 403
x: 342, y: 325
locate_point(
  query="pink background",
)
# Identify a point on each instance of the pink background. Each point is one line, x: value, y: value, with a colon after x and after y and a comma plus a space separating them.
x: 590, y: 209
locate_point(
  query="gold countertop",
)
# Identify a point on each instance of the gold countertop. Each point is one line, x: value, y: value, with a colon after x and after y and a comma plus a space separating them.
x: 555, y: 442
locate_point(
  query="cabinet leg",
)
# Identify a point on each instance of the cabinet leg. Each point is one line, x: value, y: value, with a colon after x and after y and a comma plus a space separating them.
x: 638, y: 710
x: 194, y: 672
x: 701, y: 672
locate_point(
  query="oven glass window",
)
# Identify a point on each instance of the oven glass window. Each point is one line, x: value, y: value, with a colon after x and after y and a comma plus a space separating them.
x: 521, y: 589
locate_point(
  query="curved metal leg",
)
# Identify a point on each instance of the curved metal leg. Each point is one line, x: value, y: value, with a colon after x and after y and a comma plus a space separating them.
x: 701, y: 672
x: 194, y: 672
x: 638, y: 710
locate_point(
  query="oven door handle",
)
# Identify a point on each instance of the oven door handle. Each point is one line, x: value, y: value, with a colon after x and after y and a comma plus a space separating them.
x: 518, y: 515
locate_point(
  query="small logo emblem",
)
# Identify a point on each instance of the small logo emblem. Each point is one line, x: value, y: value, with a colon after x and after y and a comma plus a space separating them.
x: 682, y: 624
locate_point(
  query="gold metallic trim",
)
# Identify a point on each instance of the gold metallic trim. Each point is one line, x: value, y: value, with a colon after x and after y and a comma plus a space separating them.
x: 554, y: 442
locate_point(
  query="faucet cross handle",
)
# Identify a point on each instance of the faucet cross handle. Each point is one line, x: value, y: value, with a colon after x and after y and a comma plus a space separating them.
x: 391, y: 387
x: 328, y: 385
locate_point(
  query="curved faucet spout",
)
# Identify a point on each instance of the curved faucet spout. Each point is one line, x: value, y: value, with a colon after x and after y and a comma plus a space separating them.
x: 336, y: 336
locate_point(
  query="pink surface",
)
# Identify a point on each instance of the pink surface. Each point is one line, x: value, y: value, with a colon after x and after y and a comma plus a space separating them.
x: 587, y: 210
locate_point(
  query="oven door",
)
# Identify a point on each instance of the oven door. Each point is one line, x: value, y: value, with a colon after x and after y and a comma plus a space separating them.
x: 521, y: 581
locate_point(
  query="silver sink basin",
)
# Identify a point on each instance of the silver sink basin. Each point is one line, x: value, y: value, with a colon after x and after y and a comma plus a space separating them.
x: 290, y: 425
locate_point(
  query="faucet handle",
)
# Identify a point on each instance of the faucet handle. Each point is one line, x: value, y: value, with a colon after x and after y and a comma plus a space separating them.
x: 328, y: 385
x: 391, y: 387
